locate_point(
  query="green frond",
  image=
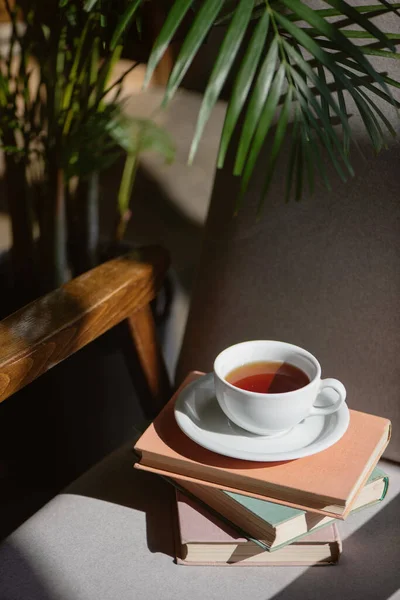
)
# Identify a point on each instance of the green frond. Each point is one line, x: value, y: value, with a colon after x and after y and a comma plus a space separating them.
x: 299, y: 64
x: 229, y: 49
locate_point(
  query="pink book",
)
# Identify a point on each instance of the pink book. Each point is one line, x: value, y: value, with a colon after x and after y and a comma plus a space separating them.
x: 327, y: 483
x: 201, y: 539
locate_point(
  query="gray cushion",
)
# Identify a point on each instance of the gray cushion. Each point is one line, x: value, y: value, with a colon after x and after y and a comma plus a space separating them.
x: 109, y: 537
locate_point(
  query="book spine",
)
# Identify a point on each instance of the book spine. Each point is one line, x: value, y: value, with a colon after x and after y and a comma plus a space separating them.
x: 216, y: 514
x: 180, y: 553
x: 384, y: 492
x: 385, y: 489
x: 244, y: 564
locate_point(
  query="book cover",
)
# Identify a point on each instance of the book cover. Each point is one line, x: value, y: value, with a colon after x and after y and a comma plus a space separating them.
x: 201, y: 539
x: 278, y: 525
x: 326, y: 483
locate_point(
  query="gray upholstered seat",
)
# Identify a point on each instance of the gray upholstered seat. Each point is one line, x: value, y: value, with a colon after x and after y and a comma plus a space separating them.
x: 109, y: 537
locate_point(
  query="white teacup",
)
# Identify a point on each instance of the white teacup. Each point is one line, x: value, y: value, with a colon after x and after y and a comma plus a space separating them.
x: 265, y: 413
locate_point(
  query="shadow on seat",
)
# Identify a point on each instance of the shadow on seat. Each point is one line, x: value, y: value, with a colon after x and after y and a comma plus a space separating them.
x: 43, y: 423
x: 363, y: 571
x: 115, y: 480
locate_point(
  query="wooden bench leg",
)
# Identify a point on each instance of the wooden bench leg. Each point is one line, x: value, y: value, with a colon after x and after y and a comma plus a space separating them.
x: 143, y: 333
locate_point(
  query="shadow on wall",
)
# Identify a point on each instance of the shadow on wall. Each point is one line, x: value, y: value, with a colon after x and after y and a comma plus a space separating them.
x: 156, y: 219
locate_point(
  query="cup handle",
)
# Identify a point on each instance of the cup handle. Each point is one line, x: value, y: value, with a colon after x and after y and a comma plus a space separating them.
x: 339, y: 388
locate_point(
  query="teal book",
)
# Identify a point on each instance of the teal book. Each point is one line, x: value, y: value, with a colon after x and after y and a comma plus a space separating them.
x: 275, y: 524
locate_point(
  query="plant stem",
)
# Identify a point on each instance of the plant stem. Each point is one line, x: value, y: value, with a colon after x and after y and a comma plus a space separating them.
x: 119, y: 80
x: 54, y: 236
x: 124, y: 195
x: 92, y: 220
x: 85, y: 245
x: 60, y: 237
x: 22, y: 251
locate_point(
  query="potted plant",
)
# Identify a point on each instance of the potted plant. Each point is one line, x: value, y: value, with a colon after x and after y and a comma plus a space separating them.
x: 61, y: 124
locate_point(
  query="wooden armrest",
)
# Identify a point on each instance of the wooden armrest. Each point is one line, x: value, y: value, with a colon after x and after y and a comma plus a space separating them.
x: 50, y: 329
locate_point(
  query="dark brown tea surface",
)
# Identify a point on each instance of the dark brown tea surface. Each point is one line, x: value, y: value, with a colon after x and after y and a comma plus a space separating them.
x: 268, y: 377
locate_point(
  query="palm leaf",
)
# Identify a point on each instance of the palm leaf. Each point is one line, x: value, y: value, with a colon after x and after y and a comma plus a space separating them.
x: 329, y: 59
x: 201, y: 26
x: 307, y: 143
x: 324, y: 100
x: 88, y: 5
x: 361, y: 20
x: 226, y: 56
x: 323, y: 128
x: 328, y: 130
x: 257, y: 102
x: 263, y: 128
x: 295, y: 139
x: 371, y: 122
x: 275, y: 81
x: 346, y: 135
x: 174, y: 19
x: 393, y: 83
x: 359, y: 34
x: 373, y: 10
x: 383, y: 53
x: 242, y: 84
x: 379, y: 113
x: 373, y: 49
x: 299, y: 174
x: 319, y: 82
x: 356, y: 79
x: 326, y: 140
x: 312, y: 148
x: 331, y: 32
x: 277, y: 144
x: 258, y: 11
x: 72, y: 77
x: 124, y: 22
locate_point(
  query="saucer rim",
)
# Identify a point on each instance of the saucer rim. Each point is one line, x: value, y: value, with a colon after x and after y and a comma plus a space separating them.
x: 181, y: 416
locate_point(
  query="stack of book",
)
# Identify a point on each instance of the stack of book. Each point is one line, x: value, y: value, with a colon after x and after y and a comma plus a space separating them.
x: 235, y: 512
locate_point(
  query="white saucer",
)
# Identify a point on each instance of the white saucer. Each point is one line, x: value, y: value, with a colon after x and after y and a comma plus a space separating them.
x: 198, y: 414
